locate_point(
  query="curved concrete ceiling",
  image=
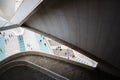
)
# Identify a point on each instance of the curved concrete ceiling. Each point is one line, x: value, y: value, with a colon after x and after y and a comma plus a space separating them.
x: 91, y: 25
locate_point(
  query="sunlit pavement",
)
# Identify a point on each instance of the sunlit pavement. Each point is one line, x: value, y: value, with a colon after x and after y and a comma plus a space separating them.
x: 2, y: 48
x: 25, y: 42
x: 20, y: 40
x: 42, y: 43
x: 11, y: 45
x: 30, y: 41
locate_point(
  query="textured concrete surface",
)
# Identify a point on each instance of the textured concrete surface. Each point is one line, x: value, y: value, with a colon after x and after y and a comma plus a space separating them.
x: 23, y: 73
x: 17, y: 70
x: 91, y: 25
x: 64, y: 67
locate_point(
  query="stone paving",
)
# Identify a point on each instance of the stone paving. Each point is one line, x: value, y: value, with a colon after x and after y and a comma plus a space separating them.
x: 26, y: 41
x: 20, y: 40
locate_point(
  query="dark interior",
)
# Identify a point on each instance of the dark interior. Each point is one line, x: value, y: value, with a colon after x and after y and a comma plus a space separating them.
x: 22, y: 70
x: 24, y: 73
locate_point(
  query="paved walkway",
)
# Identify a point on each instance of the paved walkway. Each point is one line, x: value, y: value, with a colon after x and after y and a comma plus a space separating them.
x: 2, y: 48
x: 12, y: 45
x: 28, y: 41
x: 42, y: 43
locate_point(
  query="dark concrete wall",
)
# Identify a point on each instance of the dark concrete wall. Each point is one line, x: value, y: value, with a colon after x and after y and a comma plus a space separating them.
x: 92, y: 25
x: 23, y: 73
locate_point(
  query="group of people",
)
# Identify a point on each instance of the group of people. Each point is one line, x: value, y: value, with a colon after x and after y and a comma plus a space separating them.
x: 66, y: 52
x: 29, y: 46
x: 7, y: 37
x: 43, y: 41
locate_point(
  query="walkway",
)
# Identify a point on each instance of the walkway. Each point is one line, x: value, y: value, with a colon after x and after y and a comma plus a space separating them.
x: 42, y: 43
x: 2, y: 48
